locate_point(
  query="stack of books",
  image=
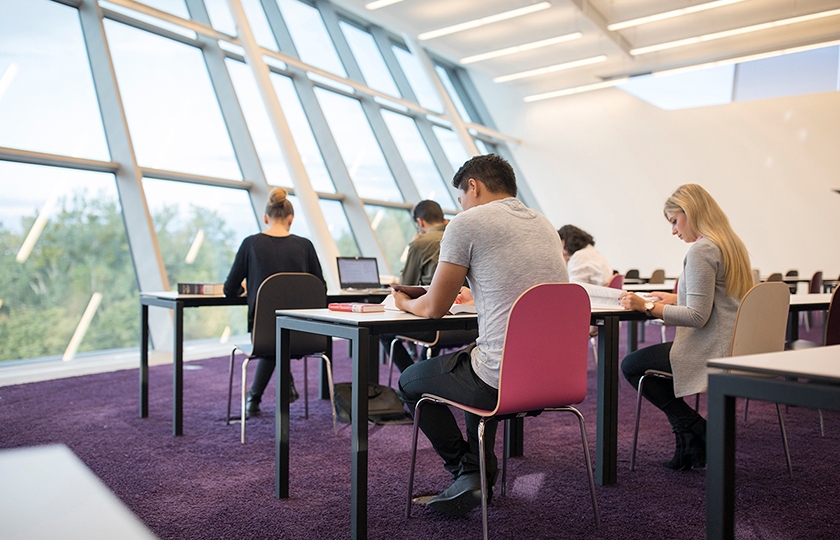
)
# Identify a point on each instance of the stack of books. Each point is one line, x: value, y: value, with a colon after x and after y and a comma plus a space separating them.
x: 201, y: 288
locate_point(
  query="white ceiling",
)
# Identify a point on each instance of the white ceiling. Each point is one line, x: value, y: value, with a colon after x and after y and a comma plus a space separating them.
x: 566, y: 16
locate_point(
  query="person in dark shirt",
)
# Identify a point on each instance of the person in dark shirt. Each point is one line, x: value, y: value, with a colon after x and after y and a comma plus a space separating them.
x: 260, y: 256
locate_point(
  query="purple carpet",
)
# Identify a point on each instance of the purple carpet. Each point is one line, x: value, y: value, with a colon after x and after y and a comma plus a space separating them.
x: 206, y: 485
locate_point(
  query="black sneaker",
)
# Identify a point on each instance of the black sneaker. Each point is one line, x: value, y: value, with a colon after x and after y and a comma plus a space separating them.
x: 462, y: 496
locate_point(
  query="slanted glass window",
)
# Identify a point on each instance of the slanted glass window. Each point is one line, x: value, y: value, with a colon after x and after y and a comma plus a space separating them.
x: 484, y: 147
x: 394, y: 229
x: 308, y: 148
x: 452, y: 147
x: 311, y: 38
x: 418, y: 80
x: 416, y: 156
x: 370, y: 60
x: 711, y: 86
x: 172, y: 111
x: 67, y: 284
x: 199, y: 230
x: 358, y: 147
x: 453, y: 93
x: 259, y: 124
x: 222, y: 20
x: 47, y: 98
x: 336, y: 223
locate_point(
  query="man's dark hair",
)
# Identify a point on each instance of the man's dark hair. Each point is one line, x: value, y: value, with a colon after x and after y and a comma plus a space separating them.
x: 428, y: 211
x: 491, y: 170
x: 574, y: 239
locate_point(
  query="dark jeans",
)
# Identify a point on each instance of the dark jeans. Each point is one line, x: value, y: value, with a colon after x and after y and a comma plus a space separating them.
x: 658, y: 391
x: 451, y: 376
x: 265, y: 369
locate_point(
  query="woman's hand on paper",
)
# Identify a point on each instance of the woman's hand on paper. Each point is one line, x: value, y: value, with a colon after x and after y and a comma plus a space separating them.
x: 631, y: 300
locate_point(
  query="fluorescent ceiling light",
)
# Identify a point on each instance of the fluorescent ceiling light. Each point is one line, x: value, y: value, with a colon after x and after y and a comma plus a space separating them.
x: 733, y: 32
x: 738, y: 60
x: 748, y: 58
x: 575, y: 90
x: 520, y: 48
x: 484, y: 20
x: 670, y: 14
x: 550, y: 69
x: 381, y: 4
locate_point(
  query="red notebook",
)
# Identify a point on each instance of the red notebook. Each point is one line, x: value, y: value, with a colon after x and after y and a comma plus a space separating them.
x: 356, y: 307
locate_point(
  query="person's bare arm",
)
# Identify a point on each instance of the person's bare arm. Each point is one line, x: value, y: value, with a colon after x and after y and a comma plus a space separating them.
x: 442, y: 292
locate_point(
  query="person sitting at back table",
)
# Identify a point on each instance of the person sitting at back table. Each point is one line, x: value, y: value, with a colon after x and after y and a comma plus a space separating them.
x: 502, y: 248
x: 716, y: 275
x: 585, y: 263
x: 420, y: 264
x: 260, y: 256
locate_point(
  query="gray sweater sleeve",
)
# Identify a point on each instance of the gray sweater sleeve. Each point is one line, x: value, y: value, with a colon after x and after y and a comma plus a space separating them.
x: 696, y: 292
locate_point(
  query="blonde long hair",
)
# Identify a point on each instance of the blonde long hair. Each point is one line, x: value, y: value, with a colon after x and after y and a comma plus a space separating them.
x: 707, y: 219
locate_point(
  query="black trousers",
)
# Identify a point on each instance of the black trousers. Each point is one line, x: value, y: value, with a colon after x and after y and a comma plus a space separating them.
x: 658, y: 391
x: 451, y: 376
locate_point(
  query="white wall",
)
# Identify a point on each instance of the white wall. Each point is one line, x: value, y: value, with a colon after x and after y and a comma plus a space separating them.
x: 606, y: 161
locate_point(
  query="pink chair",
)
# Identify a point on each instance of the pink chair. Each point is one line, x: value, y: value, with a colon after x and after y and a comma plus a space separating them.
x: 543, y: 368
x: 616, y: 282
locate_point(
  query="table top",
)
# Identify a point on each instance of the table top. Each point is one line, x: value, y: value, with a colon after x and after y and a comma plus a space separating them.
x: 817, y: 300
x: 356, y: 319
x: 818, y: 363
x: 48, y: 492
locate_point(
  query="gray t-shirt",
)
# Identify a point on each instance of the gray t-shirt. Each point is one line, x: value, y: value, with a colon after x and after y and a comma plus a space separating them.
x: 508, y: 248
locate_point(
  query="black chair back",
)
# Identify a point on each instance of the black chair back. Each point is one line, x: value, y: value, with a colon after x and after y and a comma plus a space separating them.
x: 632, y: 274
x: 287, y: 290
x: 832, y: 321
x: 815, y: 286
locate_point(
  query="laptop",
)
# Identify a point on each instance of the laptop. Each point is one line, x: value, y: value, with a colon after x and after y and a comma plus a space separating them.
x: 359, y: 273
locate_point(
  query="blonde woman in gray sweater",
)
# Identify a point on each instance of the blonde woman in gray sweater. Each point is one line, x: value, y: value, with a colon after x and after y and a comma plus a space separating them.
x: 715, y: 276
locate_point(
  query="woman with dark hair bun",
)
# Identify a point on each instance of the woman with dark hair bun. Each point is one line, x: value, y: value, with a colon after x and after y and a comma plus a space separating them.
x: 585, y: 263
x: 260, y: 256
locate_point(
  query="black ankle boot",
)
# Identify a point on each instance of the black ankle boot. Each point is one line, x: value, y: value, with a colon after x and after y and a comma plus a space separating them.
x: 252, y: 405
x: 696, y: 447
x: 681, y: 460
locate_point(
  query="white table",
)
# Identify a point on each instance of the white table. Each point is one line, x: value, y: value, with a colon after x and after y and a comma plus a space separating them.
x: 47, y: 492
x: 820, y: 367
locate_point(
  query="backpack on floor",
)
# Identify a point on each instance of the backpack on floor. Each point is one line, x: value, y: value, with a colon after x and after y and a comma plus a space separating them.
x: 384, y: 405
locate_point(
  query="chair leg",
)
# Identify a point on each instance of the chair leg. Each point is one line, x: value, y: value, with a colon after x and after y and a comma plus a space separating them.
x: 391, y: 360
x: 697, y: 402
x: 746, y: 408
x: 326, y: 359
x: 822, y: 423
x: 505, y: 436
x: 594, y: 342
x: 636, y: 423
x: 482, y: 467
x: 244, y: 394
x: 784, y: 440
x: 588, y: 459
x: 230, y: 386
x: 413, y: 456
x: 305, y: 387
x: 662, y: 331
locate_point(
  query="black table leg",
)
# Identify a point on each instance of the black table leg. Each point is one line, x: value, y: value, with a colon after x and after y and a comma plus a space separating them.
x: 144, y: 360
x: 363, y: 357
x: 607, y: 422
x: 178, y: 372
x: 720, y: 470
x: 633, y: 335
x: 282, y: 421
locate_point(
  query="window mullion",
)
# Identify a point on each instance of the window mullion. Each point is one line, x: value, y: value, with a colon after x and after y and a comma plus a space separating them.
x: 243, y: 145
x: 371, y: 109
x: 321, y: 236
x: 458, y: 125
x: 353, y: 206
x: 145, y: 251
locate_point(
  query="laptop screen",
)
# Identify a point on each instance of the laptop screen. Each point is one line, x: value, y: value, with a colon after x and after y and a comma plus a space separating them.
x: 358, y: 273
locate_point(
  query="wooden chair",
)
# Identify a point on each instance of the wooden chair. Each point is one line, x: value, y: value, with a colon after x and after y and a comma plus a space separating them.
x: 759, y: 327
x: 658, y: 276
x: 286, y: 290
x: 543, y: 368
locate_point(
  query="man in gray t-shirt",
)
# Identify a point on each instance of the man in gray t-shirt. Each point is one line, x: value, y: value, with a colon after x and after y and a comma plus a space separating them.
x: 502, y: 248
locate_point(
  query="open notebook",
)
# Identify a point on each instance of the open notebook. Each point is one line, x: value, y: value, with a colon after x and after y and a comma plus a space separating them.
x: 415, y: 291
